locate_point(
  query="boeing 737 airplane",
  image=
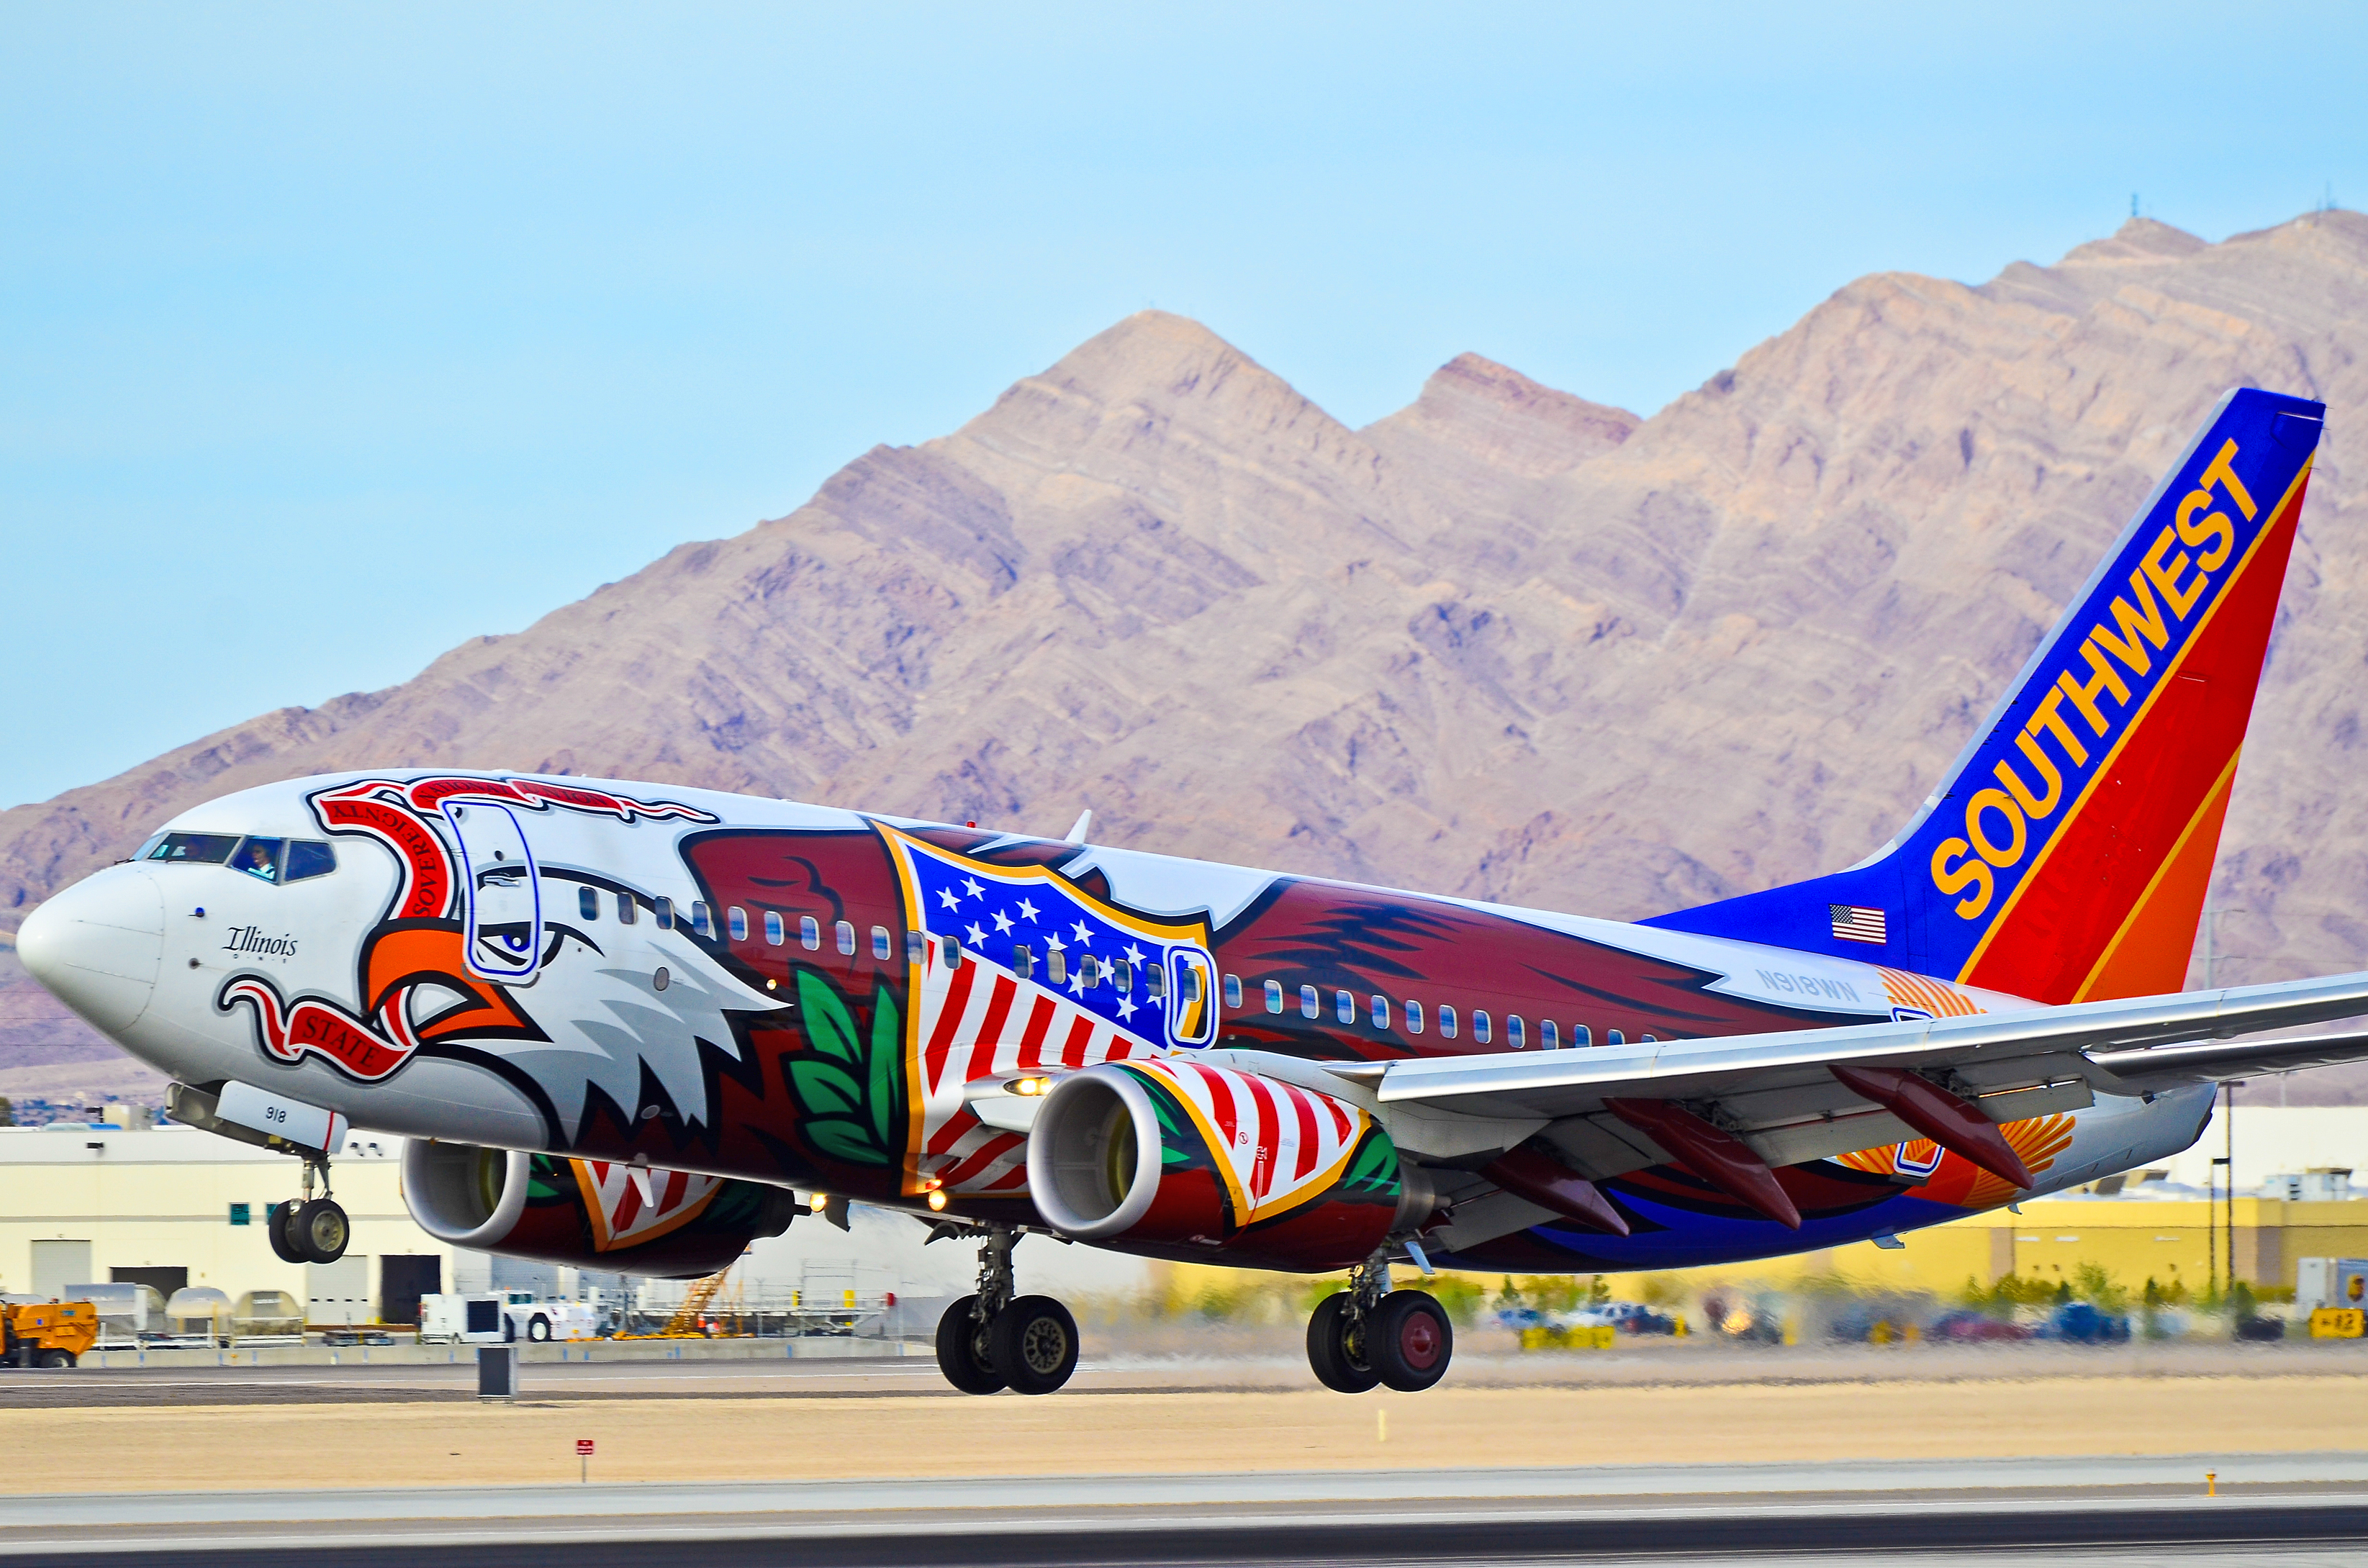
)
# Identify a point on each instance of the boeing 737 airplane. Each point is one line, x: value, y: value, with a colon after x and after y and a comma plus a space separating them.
x: 633, y: 1026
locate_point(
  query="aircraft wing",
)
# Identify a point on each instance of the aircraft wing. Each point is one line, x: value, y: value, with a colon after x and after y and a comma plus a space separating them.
x: 1783, y: 1095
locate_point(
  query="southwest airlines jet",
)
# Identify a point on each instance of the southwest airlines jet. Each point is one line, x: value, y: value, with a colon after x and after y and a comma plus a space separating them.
x: 633, y: 1026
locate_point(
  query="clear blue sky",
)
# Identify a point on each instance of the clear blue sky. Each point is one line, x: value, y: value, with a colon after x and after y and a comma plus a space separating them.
x: 333, y: 335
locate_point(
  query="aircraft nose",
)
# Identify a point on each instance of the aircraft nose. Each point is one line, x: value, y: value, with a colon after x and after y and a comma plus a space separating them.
x: 99, y: 944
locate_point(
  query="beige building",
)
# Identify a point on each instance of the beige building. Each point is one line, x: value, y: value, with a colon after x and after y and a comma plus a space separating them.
x: 174, y: 1207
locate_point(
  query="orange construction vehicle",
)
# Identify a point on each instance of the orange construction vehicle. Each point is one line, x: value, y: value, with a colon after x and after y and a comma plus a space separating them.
x: 47, y: 1333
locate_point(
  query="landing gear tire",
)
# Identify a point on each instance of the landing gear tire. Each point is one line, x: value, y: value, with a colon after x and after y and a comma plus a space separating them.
x: 319, y: 1230
x: 275, y: 1221
x: 1409, y: 1340
x: 964, y: 1353
x: 1034, y: 1343
x: 1335, y: 1346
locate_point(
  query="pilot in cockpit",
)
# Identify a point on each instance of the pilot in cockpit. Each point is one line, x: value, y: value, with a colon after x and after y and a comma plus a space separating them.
x: 259, y: 857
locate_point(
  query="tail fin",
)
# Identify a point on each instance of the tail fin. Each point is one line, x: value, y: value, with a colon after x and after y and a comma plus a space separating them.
x: 2067, y: 855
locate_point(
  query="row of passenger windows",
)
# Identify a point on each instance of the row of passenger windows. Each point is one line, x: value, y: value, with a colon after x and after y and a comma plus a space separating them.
x: 1378, y: 1011
x: 735, y: 924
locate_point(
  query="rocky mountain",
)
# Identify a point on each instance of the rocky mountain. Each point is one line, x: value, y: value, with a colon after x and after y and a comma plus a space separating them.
x: 1506, y: 641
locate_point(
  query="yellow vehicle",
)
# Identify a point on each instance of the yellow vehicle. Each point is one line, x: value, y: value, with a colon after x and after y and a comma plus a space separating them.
x: 47, y: 1333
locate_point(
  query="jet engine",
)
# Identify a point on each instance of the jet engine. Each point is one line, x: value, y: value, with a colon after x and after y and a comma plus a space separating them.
x: 588, y: 1213
x: 1175, y: 1158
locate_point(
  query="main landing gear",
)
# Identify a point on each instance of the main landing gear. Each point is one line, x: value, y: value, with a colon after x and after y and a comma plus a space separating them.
x: 310, y: 1229
x: 1370, y: 1334
x: 995, y: 1340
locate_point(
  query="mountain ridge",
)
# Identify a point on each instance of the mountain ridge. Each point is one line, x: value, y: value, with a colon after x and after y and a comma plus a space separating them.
x: 1503, y: 641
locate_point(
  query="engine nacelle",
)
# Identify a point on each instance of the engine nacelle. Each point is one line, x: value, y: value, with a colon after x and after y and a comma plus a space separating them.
x: 1174, y: 1158
x: 588, y: 1213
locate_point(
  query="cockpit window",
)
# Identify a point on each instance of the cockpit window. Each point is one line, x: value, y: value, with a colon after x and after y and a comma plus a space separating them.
x: 308, y: 858
x: 259, y: 857
x: 194, y: 848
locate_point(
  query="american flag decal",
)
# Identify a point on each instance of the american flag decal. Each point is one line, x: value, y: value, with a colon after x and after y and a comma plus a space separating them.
x: 987, y: 1020
x: 1852, y: 923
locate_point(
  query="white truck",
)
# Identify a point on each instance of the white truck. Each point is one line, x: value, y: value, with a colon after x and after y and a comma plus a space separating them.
x: 501, y: 1317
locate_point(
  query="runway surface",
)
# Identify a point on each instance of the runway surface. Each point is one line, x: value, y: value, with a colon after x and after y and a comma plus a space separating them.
x: 1663, y: 1364
x: 2289, y: 1508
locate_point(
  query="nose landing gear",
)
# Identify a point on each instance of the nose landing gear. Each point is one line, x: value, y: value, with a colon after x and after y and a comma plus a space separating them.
x: 991, y: 1340
x: 1370, y: 1334
x: 310, y: 1229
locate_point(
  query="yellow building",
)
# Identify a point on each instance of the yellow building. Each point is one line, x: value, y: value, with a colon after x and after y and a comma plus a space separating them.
x: 2135, y: 1239
x: 173, y: 1206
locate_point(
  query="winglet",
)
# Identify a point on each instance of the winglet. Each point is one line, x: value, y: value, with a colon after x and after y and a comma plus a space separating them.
x: 1082, y: 826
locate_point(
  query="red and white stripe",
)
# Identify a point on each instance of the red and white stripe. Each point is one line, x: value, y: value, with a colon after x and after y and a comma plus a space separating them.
x: 1281, y: 1143
x: 632, y: 1204
x: 981, y: 1021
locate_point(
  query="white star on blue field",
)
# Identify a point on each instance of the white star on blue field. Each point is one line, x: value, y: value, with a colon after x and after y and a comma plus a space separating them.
x: 993, y: 919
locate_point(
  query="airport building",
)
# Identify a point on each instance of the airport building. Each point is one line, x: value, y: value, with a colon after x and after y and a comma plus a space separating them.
x: 172, y: 1207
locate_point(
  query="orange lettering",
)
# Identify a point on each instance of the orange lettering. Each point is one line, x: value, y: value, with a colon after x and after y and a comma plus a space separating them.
x: 1995, y: 801
x: 2134, y: 626
x: 2220, y: 471
x: 2165, y: 577
x: 1964, y: 875
x: 2034, y: 809
x: 2102, y: 678
x: 2192, y: 533
x: 2050, y: 719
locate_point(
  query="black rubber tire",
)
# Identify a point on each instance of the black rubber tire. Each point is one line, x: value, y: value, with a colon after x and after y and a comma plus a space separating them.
x: 320, y: 1231
x: 1410, y: 1340
x: 57, y: 1358
x: 964, y: 1355
x: 1034, y: 1343
x: 275, y: 1221
x: 537, y: 1328
x: 1328, y: 1351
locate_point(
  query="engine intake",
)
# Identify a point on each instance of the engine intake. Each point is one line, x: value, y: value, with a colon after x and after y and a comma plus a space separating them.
x: 1176, y: 1158
x: 588, y: 1213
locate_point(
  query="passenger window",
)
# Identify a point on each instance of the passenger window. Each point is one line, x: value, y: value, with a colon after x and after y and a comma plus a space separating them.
x: 775, y: 933
x: 1155, y: 980
x: 587, y: 902
x: 1089, y: 973
x: 195, y: 849
x: 1274, y: 995
x: 1581, y: 1036
x: 917, y: 947
x: 1414, y: 1017
x: 1549, y: 1035
x: 626, y: 912
x: 699, y: 923
x: 259, y: 858
x: 665, y: 913
x: 845, y: 931
x: 1515, y: 1032
x: 1123, y: 975
x: 1646, y: 1040
x: 307, y: 859
x: 1446, y: 1022
x: 881, y: 944
x: 809, y: 932
x: 1380, y: 1012
x: 1023, y: 962
x: 735, y: 920
x: 1308, y: 1006
x: 1234, y: 992
x: 1057, y: 965
x: 954, y: 951
x: 1344, y: 1006
x: 1480, y: 1029
x: 1613, y: 1036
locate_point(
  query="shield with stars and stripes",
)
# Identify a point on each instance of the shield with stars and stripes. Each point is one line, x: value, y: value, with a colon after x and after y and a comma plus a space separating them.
x: 986, y: 1005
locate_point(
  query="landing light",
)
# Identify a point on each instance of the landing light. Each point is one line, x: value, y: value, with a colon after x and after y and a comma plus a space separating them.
x: 937, y: 1199
x: 817, y: 1201
x: 1029, y: 1085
